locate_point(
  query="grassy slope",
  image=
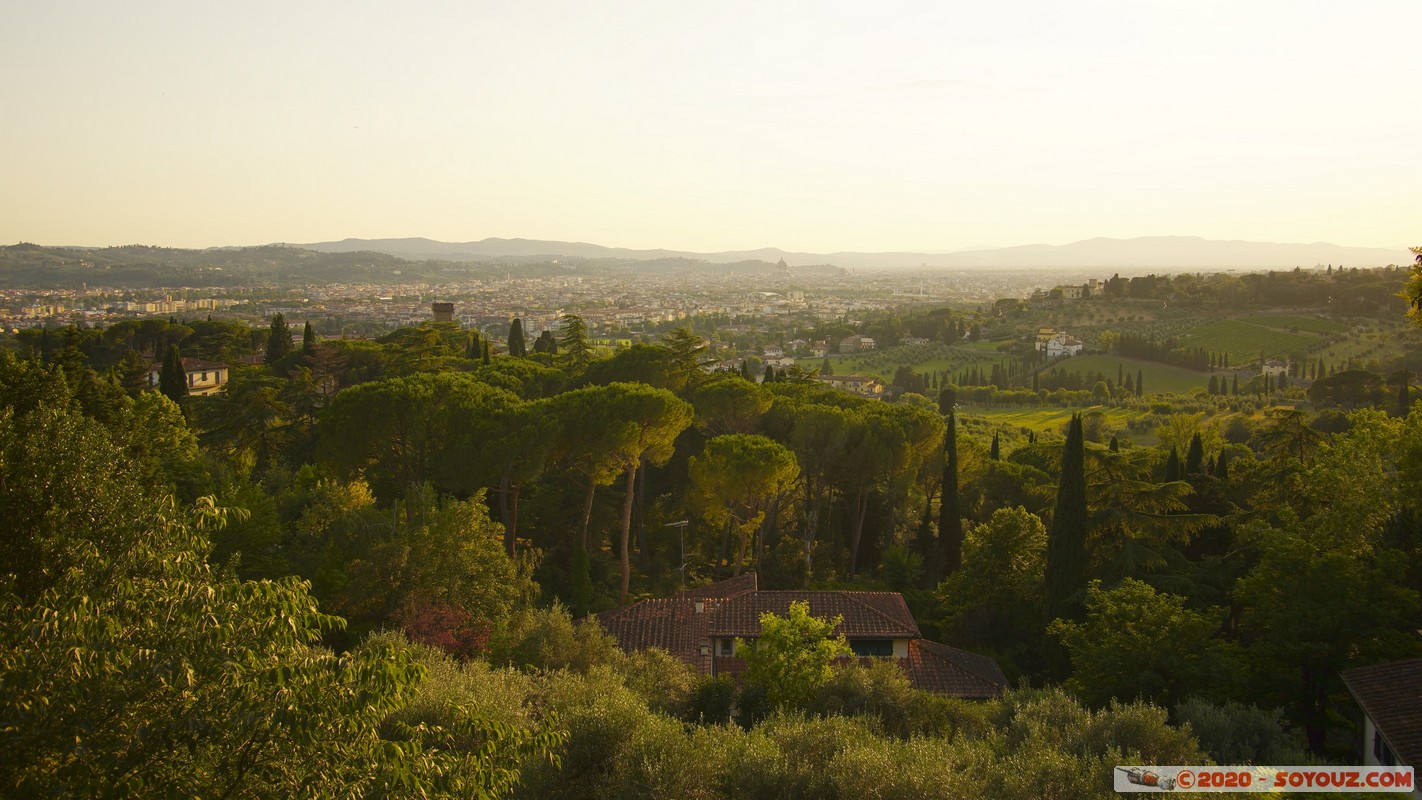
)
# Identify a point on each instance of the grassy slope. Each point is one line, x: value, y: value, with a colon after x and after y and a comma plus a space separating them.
x: 1157, y: 377
x: 1245, y: 341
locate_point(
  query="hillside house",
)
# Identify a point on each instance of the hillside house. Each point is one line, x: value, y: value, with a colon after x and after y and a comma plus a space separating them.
x: 1273, y: 368
x: 701, y: 627
x: 855, y: 344
x: 204, y: 377
x: 855, y: 384
x: 1060, y: 345
x: 1391, y: 700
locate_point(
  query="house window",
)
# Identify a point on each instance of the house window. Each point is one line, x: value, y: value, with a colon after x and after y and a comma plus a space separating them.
x: 204, y: 377
x: 1383, y: 753
x: 728, y: 647
x: 868, y: 648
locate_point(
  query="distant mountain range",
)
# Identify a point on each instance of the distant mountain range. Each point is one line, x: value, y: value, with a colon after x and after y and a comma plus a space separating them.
x: 1150, y: 252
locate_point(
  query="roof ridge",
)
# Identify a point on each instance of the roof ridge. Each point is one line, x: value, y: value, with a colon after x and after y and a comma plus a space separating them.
x: 915, y: 628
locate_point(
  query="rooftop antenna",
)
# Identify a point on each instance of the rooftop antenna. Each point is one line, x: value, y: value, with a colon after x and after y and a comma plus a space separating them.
x: 681, y: 529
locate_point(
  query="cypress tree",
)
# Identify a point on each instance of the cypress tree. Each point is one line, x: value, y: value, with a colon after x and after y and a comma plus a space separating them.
x: 1195, y: 459
x: 1235, y: 388
x: 486, y: 351
x: 1221, y: 467
x: 278, y: 339
x: 825, y: 368
x: 1115, y: 446
x: 1066, y: 541
x: 1172, y: 466
x: 517, y: 346
x: 1402, y: 398
x: 472, y: 350
x: 308, y: 339
x: 996, y: 452
x: 950, y: 517
x: 172, y: 378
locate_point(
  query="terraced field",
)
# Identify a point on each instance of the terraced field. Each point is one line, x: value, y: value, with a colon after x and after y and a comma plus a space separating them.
x: 1245, y: 341
x: 1296, y: 323
x: 1051, y: 420
x: 1157, y: 377
x: 922, y: 358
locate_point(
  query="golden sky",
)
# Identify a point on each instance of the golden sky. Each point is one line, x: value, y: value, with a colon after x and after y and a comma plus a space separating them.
x: 815, y: 126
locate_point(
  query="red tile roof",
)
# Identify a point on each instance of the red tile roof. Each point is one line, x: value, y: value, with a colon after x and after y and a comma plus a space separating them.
x: 939, y: 668
x: 866, y: 615
x: 1391, y: 696
x: 672, y: 624
x: 732, y: 608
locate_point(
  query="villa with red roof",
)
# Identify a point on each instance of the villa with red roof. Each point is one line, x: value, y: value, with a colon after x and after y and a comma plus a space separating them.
x: 701, y: 626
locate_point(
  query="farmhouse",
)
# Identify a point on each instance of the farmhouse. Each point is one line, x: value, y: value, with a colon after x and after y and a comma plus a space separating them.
x: 1059, y: 345
x: 855, y: 344
x: 856, y: 384
x: 1273, y: 368
x: 702, y: 626
x: 204, y: 377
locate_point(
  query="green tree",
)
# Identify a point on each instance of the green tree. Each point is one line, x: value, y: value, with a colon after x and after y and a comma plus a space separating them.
x: 727, y: 404
x: 132, y: 667
x: 278, y: 340
x: 950, y: 513
x: 308, y: 339
x: 517, y: 345
x: 1310, y: 611
x: 1412, y: 293
x: 649, y: 420
x: 132, y: 372
x: 793, y: 657
x: 1066, y: 567
x: 574, y: 343
x: 996, y: 598
x: 172, y: 378
x: 735, y: 478
x: 687, y: 350
x: 1195, y: 458
x: 402, y: 431
x: 1287, y: 434
x: 1137, y: 644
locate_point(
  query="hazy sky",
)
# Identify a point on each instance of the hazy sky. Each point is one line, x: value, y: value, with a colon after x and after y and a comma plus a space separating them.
x: 815, y: 126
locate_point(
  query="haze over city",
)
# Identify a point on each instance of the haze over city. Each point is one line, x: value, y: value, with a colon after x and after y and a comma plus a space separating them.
x: 811, y: 127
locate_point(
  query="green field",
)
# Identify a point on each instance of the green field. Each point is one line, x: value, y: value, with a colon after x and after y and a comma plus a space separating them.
x: 1157, y: 377
x: 922, y: 358
x: 1296, y: 323
x: 1052, y: 420
x: 1244, y: 342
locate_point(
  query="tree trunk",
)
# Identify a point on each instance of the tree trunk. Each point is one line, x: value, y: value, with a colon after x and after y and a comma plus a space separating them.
x: 723, y: 555
x: 812, y: 523
x: 641, y: 515
x: 507, y: 513
x: 587, y: 514
x: 742, y: 537
x: 860, y: 510
x: 627, y: 529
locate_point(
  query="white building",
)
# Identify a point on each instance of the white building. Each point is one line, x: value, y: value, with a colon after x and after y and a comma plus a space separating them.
x: 204, y: 377
x: 1060, y: 345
